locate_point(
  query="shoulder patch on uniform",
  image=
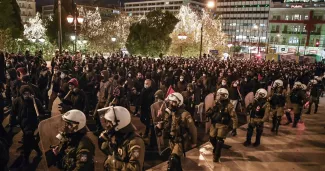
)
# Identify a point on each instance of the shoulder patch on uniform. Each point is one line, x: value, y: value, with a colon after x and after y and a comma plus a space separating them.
x: 83, y: 158
x: 135, y: 151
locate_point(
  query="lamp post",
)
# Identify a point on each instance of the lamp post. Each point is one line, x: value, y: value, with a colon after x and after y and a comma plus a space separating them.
x: 181, y: 37
x: 60, y: 27
x: 113, y: 40
x: 255, y: 28
x: 210, y: 5
x: 75, y: 20
x: 35, y: 40
x: 278, y: 35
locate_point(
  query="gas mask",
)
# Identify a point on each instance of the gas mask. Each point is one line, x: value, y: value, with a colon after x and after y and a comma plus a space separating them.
x: 66, y: 131
x: 173, y: 106
x: 27, y: 96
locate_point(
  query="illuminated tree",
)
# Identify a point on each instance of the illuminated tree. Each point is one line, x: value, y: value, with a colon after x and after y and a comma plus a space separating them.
x: 34, y: 28
x: 190, y: 25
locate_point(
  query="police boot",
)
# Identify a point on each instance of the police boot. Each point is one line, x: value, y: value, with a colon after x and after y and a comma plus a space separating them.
x: 274, y: 121
x: 249, y: 135
x: 278, y: 122
x: 217, y: 154
x: 295, y: 122
x: 213, y: 142
x: 309, y: 108
x: 288, y: 118
x: 258, y: 138
x: 174, y: 163
x: 316, y: 108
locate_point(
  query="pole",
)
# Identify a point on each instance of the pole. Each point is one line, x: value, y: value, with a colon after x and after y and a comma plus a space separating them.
x: 201, y: 40
x: 249, y: 49
x: 75, y: 27
x: 75, y: 32
x: 181, y: 51
x: 60, y: 26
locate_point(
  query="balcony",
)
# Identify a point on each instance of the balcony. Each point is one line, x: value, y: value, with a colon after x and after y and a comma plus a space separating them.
x: 315, y: 33
x: 275, y: 31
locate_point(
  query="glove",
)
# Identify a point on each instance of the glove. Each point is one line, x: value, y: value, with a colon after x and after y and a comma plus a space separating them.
x: 234, y: 132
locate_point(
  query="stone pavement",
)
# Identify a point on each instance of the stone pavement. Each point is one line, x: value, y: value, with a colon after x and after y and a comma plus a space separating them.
x: 297, y: 149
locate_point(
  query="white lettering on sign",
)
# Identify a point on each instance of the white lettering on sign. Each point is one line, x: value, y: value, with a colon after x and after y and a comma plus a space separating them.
x: 296, y: 6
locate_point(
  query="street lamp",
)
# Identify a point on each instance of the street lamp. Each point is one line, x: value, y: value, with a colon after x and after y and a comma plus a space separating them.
x: 210, y: 5
x: 113, y: 40
x: 75, y: 20
x: 73, y: 38
x: 181, y: 37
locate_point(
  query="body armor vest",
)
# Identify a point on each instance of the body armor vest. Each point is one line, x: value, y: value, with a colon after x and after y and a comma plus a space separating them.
x: 257, y: 109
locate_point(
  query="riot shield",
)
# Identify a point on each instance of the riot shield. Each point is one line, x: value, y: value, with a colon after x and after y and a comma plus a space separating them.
x: 49, y: 129
x: 208, y: 103
x: 162, y: 141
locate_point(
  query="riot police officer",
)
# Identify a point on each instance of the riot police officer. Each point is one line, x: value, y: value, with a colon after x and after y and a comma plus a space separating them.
x: 297, y: 98
x: 125, y: 148
x: 221, y: 116
x: 315, y: 92
x: 259, y: 112
x: 277, y: 102
x: 179, y: 126
x: 76, y: 151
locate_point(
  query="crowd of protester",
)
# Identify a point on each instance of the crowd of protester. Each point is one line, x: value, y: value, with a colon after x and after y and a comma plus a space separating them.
x: 91, y: 82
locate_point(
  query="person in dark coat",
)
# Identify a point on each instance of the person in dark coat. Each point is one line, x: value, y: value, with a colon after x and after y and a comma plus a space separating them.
x: 77, y: 98
x: 23, y: 108
x: 147, y: 98
x: 2, y: 68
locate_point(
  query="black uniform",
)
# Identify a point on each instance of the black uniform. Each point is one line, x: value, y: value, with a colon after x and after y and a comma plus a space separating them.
x: 258, y: 112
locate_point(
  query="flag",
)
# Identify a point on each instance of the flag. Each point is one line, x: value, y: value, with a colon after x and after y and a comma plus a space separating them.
x: 170, y: 91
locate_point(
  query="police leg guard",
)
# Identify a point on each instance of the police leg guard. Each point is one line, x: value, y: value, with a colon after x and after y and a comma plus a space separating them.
x: 249, y: 135
x: 213, y: 142
x: 309, y: 108
x: 296, y: 120
x: 217, y: 154
x: 278, y: 123
x: 174, y: 163
x: 259, y: 131
x: 288, y: 118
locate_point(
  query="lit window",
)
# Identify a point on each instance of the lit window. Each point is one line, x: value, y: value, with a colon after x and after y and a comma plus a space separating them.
x: 287, y: 17
x: 296, y: 17
x: 293, y: 40
x: 306, y: 17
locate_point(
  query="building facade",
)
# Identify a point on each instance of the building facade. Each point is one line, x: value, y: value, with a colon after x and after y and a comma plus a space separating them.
x: 297, y: 26
x: 47, y: 11
x: 143, y: 7
x: 105, y: 13
x: 245, y: 22
x: 27, y: 9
